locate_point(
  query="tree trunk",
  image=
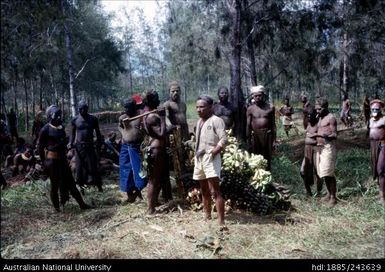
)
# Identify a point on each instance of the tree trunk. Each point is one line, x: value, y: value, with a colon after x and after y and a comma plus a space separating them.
x: 345, y: 75
x: 234, y: 58
x: 250, y: 45
x: 33, y: 98
x: 68, y: 44
x: 41, y: 92
x: 26, y: 104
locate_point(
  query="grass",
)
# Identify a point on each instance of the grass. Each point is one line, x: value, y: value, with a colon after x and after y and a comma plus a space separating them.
x: 354, y: 229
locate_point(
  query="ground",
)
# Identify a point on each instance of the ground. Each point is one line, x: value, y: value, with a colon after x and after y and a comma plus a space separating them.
x: 114, y: 229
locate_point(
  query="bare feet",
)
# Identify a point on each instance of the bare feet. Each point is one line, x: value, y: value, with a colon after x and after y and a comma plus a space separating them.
x: 326, y: 198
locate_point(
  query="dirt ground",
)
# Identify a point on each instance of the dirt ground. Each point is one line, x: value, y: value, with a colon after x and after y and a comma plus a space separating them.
x: 114, y: 229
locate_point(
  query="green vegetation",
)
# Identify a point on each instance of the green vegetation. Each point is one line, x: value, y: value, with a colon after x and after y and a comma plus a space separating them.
x: 31, y: 228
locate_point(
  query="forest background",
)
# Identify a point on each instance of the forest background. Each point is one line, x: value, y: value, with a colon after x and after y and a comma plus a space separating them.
x: 59, y: 52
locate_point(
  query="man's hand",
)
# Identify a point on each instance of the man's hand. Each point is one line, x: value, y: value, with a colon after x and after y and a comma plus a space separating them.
x: 69, y: 146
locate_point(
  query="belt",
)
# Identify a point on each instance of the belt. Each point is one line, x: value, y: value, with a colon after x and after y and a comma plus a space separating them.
x: 52, y: 155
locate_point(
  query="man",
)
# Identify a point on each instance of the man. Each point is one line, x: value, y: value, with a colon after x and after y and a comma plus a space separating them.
x: 377, y: 145
x: 24, y: 163
x: 82, y: 139
x: 308, y: 167
x: 12, y: 123
x: 52, y: 151
x: 223, y: 108
x: 306, y: 107
x: 286, y: 111
x: 211, y: 139
x: 366, y: 111
x: 261, y: 129
x: 326, y: 149
x: 111, y: 148
x: 159, y: 175
x: 129, y: 160
x: 36, y: 127
x: 176, y: 110
x: 345, y: 115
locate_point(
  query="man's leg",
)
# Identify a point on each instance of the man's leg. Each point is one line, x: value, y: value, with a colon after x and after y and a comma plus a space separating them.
x: 331, y: 184
x: 206, y: 197
x: 219, y: 202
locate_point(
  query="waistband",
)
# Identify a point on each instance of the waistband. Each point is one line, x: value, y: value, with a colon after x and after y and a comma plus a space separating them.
x: 52, y: 155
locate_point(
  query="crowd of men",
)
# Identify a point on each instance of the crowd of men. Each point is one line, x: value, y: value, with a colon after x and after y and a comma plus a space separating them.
x: 151, y: 133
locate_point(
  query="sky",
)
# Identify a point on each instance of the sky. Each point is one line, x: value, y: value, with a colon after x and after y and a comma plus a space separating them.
x: 117, y: 6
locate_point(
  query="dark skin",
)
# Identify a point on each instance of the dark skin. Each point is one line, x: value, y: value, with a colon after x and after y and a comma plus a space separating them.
x: 131, y: 133
x: 327, y: 131
x: 156, y: 128
x: 260, y: 116
x: 82, y: 132
x: 176, y: 111
x: 377, y: 133
x: 52, y: 138
x: 210, y: 186
x: 311, y: 129
x: 305, y: 110
x: 346, y: 107
x: 23, y: 163
x: 223, y: 108
x: 287, y: 110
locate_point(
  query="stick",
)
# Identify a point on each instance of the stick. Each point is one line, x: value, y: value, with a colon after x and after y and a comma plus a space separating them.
x: 139, y: 116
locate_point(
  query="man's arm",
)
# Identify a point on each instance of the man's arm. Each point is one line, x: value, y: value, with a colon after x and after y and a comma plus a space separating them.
x: 220, y: 130
x: 42, y: 143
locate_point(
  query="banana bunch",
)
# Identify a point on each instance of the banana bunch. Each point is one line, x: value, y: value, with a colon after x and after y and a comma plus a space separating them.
x: 261, y: 180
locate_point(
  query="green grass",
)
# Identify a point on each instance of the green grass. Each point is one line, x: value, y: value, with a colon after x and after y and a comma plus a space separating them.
x: 354, y: 229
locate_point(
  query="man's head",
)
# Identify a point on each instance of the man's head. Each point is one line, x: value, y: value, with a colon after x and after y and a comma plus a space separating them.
x: 204, y: 106
x: 54, y: 115
x: 322, y: 107
x: 174, y: 90
x: 130, y: 107
x: 376, y: 107
x: 223, y: 94
x: 345, y: 96
x: 151, y: 99
x: 83, y: 107
x: 138, y: 100
x: 304, y: 99
x: 258, y: 94
x: 286, y: 101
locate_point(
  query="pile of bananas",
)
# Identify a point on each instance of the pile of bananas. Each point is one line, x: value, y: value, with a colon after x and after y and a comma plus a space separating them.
x: 246, y: 182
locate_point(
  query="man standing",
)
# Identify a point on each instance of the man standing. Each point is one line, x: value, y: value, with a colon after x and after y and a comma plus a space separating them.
x: 129, y: 160
x: 36, y: 127
x: 52, y: 151
x: 326, y: 149
x: 308, y: 168
x: 211, y: 139
x: 345, y: 115
x: 306, y: 108
x: 159, y: 172
x: 223, y: 107
x: 176, y: 110
x: 82, y: 138
x: 12, y: 124
x: 261, y: 129
x: 366, y: 111
x: 377, y: 145
x: 286, y: 111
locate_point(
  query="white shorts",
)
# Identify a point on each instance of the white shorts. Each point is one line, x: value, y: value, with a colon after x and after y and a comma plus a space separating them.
x: 207, y: 166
